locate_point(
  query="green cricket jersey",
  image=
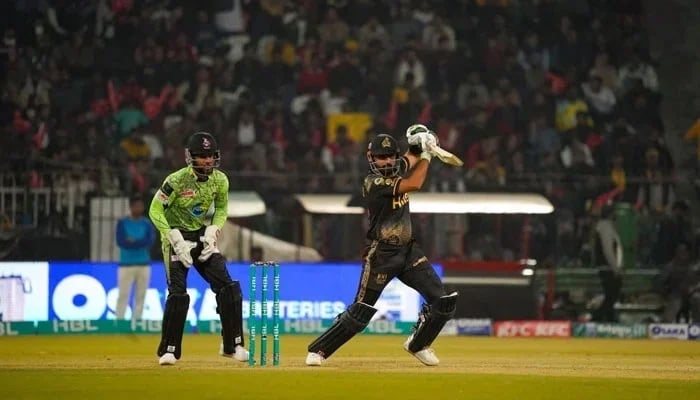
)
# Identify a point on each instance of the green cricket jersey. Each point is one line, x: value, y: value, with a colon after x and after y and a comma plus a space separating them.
x: 182, y: 201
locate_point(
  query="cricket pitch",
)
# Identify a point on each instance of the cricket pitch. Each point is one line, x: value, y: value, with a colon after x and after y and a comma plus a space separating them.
x: 368, y: 367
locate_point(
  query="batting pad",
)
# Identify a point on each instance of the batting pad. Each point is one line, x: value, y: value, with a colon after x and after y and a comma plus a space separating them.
x: 349, y: 323
x: 431, y: 321
x: 174, y: 317
x: 229, y: 302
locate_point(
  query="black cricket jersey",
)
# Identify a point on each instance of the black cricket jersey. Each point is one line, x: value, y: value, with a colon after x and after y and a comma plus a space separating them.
x: 389, y: 214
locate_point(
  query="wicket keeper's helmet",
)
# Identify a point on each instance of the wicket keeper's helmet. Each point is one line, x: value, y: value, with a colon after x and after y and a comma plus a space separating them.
x: 202, y: 145
x: 382, y: 146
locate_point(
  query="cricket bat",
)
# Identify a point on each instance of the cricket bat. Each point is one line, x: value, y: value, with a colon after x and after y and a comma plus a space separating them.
x: 446, y: 156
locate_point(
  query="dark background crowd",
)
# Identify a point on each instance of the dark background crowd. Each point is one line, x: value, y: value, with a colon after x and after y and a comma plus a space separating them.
x: 558, y: 97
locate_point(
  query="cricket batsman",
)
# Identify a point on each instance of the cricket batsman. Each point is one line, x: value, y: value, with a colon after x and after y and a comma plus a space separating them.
x: 392, y: 251
x: 178, y: 210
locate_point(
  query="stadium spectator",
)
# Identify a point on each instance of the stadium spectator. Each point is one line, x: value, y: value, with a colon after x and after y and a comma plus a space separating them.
x: 503, y: 83
x: 135, y: 235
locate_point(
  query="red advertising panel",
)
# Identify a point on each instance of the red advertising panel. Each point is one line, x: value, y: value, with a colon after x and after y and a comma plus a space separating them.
x: 532, y: 328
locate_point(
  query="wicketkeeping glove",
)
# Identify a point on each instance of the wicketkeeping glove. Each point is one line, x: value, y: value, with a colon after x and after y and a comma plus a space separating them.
x: 181, y: 247
x: 211, y: 235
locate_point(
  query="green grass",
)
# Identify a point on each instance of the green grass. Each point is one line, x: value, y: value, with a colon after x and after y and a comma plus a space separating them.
x: 369, y: 367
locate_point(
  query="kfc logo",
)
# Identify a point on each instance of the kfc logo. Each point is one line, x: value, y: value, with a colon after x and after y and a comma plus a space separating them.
x: 533, y: 328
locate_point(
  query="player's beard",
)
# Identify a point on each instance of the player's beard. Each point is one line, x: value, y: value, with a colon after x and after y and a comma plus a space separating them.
x: 203, y: 171
x: 387, y: 170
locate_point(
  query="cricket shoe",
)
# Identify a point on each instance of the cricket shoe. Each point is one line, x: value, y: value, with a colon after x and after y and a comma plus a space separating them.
x: 314, y: 360
x: 167, y: 359
x: 239, y: 353
x: 426, y: 356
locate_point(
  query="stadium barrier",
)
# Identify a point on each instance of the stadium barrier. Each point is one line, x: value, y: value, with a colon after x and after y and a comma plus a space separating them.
x: 455, y: 327
x: 38, y: 298
x: 95, y: 327
x: 48, y: 291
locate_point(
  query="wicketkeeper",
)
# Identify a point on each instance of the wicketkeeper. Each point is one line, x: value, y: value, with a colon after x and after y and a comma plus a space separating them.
x: 178, y: 211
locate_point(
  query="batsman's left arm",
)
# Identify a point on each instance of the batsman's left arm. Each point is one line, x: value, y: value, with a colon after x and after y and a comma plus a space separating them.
x: 412, y: 156
x: 221, y: 203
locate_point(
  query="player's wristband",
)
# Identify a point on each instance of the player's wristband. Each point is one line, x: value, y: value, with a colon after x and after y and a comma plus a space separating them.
x: 426, y: 156
x: 415, y: 149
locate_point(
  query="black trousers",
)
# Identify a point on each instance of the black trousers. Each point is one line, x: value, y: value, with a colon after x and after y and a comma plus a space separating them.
x: 611, y: 283
x: 384, y: 262
x: 213, y: 270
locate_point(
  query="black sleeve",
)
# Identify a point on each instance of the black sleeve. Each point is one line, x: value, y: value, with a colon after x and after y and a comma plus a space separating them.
x: 404, y: 166
x: 166, y: 188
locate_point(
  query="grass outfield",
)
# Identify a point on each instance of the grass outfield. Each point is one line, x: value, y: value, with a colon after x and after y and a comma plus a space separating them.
x: 369, y: 367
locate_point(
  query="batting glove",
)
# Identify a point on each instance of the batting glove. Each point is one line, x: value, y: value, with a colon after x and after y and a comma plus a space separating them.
x: 211, y: 234
x: 415, y: 132
x: 428, y: 142
x: 181, y: 247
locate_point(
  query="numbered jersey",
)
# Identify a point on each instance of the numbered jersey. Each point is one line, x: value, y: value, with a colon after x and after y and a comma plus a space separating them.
x: 389, y: 214
x: 182, y: 201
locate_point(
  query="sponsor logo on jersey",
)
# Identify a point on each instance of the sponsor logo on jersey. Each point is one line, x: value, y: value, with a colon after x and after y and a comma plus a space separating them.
x: 162, y: 197
x: 399, y: 201
x: 197, y: 210
x: 188, y: 193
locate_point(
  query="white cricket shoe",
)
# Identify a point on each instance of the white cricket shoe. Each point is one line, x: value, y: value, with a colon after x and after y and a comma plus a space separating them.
x: 167, y: 359
x: 239, y: 353
x: 426, y: 356
x: 314, y: 360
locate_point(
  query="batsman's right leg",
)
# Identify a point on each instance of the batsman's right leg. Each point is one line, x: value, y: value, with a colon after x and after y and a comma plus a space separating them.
x: 440, y: 307
x: 432, y: 319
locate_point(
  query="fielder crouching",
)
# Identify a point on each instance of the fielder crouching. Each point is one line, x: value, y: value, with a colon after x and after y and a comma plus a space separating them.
x: 392, y: 251
x: 178, y: 210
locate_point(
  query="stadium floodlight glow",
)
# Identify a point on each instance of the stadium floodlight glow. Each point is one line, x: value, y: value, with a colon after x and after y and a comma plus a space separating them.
x: 528, y: 261
x: 480, y: 203
x: 438, y: 203
x: 245, y: 204
x: 328, y: 204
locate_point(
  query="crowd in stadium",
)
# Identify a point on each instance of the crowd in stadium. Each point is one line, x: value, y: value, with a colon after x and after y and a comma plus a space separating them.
x: 557, y: 97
